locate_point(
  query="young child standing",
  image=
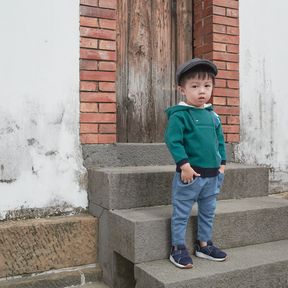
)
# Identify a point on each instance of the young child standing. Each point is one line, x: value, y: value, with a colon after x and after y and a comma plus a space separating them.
x: 195, y: 139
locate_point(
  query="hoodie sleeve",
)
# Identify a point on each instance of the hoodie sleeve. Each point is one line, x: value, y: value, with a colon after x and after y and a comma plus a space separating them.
x: 221, y: 141
x: 174, y: 139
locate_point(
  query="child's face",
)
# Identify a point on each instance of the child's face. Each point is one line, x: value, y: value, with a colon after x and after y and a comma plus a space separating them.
x: 197, y: 91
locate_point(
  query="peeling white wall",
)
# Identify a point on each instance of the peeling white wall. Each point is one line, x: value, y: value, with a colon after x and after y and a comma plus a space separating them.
x: 40, y: 153
x: 263, y: 88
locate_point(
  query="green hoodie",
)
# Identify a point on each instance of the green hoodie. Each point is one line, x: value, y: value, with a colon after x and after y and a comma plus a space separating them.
x: 195, y: 135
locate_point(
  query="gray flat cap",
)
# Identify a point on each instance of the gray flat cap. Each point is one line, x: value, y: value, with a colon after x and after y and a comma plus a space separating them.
x: 192, y: 63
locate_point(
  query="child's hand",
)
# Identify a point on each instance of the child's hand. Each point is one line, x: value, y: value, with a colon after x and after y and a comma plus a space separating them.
x: 222, y: 168
x: 187, y: 173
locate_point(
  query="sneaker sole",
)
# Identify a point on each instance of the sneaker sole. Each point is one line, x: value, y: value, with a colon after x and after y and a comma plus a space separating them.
x: 188, y: 266
x: 204, y: 256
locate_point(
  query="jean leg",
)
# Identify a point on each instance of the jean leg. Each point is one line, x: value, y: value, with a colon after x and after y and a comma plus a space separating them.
x: 183, y: 198
x: 206, y: 208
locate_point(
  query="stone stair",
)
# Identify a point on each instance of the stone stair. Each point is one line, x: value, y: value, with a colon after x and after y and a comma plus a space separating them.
x: 133, y: 204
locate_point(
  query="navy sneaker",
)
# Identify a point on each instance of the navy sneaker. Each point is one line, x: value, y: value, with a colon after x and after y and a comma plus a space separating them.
x: 180, y: 257
x: 210, y: 252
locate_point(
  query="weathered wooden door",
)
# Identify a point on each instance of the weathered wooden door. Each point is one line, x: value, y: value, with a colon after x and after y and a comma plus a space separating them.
x: 153, y: 38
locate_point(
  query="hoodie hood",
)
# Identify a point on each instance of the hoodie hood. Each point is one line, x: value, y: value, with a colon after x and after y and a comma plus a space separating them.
x: 182, y: 106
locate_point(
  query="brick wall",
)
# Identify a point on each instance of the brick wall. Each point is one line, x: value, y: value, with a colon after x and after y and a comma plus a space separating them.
x: 97, y: 71
x: 216, y: 38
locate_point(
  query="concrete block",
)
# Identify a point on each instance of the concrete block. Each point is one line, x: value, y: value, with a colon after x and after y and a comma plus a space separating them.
x: 118, y: 272
x: 33, y: 246
x: 133, y: 154
x: 131, y: 187
x: 259, y: 266
x: 143, y: 234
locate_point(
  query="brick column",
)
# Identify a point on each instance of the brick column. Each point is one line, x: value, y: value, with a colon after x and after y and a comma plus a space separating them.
x: 216, y: 38
x: 97, y: 71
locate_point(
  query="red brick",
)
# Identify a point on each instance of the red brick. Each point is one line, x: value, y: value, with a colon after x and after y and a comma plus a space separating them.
x: 109, y: 87
x: 230, y: 128
x: 233, y: 31
x: 89, y: 138
x: 107, y: 66
x: 232, y: 13
x: 220, y: 65
x: 107, y: 45
x: 97, y: 118
x: 88, y: 107
x: 89, y: 2
x: 203, y: 31
x: 107, y: 107
x: 196, y: 1
x: 210, y: 47
x: 223, y: 119
x: 208, y: 20
x: 226, y: 21
x: 233, y: 84
x: 225, y: 38
x: 224, y: 57
x: 233, y: 101
x: 97, y: 76
x: 208, y: 39
x: 198, y: 24
x: 198, y: 42
x: 97, y: 12
x: 112, y: 4
x: 233, y: 120
x: 233, y: 66
x: 88, y: 65
x: 233, y: 49
x: 97, y: 55
x: 88, y: 128
x: 228, y: 75
x: 107, y: 128
x: 226, y: 3
x: 226, y: 92
x: 203, y: 14
x: 88, y: 86
x: 90, y: 22
x: 226, y: 110
x: 219, y: 10
x: 207, y: 3
x: 97, y: 97
x: 97, y: 33
x: 198, y: 7
x: 107, y: 24
x: 107, y: 139
x: 219, y: 28
x: 219, y: 100
x: 220, y: 83
x: 232, y: 137
x: 89, y: 43
x: 98, y: 138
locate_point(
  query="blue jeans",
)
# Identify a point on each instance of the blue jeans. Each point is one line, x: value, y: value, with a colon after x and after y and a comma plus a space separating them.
x: 202, y: 190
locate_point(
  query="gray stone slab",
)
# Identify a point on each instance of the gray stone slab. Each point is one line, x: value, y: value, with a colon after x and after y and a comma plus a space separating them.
x: 133, y: 154
x: 259, y: 266
x: 143, y: 234
x: 130, y: 187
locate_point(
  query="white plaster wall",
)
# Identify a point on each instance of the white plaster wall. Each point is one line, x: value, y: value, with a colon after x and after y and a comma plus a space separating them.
x: 263, y: 88
x: 40, y: 153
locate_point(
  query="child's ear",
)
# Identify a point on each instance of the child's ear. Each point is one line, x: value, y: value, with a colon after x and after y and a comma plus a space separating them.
x: 181, y: 89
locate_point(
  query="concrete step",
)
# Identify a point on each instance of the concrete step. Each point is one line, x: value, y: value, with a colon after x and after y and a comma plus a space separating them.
x: 60, y: 278
x: 143, y: 234
x: 142, y: 186
x: 133, y: 154
x: 38, y: 245
x: 262, y: 265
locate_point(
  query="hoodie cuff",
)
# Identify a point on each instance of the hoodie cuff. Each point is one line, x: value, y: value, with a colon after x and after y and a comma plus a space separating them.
x: 180, y: 163
x: 223, y: 162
